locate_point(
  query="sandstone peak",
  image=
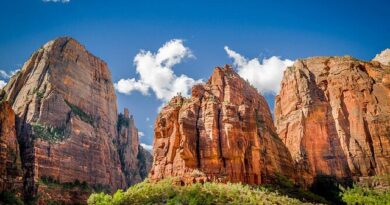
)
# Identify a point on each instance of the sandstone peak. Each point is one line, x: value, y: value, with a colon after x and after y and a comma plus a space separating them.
x: 223, y: 132
x: 383, y: 57
x: 68, y: 124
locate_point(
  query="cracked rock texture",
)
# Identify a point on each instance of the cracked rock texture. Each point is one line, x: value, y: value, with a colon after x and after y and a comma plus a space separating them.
x: 67, y: 117
x: 223, y: 132
x: 333, y: 114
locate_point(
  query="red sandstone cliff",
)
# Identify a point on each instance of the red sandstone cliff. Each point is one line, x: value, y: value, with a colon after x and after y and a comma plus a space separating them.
x: 223, y: 132
x: 333, y: 114
x: 67, y: 118
x: 10, y: 163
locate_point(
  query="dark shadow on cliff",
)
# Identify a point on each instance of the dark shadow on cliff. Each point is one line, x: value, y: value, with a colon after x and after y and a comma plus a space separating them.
x: 330, y: 188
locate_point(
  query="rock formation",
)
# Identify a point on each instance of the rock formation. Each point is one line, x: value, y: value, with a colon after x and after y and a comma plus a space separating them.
x: 67, y: 127
x: 223, y: 132
x: 130, y: 150
x: 10, y: 164
x: 333, y: 114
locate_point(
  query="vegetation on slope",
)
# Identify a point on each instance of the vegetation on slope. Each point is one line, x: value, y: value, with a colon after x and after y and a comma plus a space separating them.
x: 164, y: 192
x: 78, y: 111
x: 373, y: 191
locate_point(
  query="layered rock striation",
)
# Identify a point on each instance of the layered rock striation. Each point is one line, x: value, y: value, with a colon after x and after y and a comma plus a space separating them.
x: 67, y: 121
x: 223, y: 132
x: 333, y: 114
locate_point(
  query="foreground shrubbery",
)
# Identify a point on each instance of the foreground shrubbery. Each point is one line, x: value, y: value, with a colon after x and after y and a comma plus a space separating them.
x: 164, y: 192
x: 366, y: 195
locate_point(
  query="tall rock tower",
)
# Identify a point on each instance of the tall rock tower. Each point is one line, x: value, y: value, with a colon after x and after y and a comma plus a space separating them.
x: 223, y: 132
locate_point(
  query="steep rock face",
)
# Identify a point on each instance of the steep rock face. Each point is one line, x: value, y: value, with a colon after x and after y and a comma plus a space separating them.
x: 333, y: 114
x: 10, y: 164
x: 132, y: 156
x: 66, y: 111
x: 223, y: 132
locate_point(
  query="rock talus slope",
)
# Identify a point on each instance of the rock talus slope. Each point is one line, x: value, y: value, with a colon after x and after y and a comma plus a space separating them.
x: 223, y: 132
x: 333, y: 114
x: 66, y: 111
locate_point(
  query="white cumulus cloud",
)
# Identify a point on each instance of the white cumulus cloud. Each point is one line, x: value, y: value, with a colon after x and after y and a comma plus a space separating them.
x: 147, y: 147
x: 265, y: 75
x: 57, y: 1
x: 2, y: 84
x: 156, y: 73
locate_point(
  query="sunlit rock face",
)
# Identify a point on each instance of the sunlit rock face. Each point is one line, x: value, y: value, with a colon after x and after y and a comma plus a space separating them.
x: 333, y: 114
x: 223, y: 132
x: 67, y: 120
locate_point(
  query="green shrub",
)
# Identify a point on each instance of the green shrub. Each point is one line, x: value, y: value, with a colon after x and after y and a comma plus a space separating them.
x: 39, y: 93
x: 48, y: 133
x: 10, y: 198
x: 79, y: 112
x: 165, y: 192
x: 100, y: 199
x: 366, y: 195
x: 50, y: 182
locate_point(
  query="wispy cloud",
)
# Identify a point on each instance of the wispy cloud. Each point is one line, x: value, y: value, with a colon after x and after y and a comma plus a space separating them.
x: 56, y: 1
x: 156, y: 73
x: 7, y: 75
x: 265, y: 75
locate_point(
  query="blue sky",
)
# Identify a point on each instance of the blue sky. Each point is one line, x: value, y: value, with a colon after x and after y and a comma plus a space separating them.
x: 117, y: 30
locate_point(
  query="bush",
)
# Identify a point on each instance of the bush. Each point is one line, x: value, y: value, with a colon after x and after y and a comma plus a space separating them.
x: 48, y: 133
x: 10, y: 198
x: 165, y: 192
x: 50, y: 182
x: 365, y: 195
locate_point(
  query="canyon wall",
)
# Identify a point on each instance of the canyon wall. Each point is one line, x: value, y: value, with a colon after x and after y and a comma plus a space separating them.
x: 67, y: 122
x: 223, y: 132
x: 333, y: 114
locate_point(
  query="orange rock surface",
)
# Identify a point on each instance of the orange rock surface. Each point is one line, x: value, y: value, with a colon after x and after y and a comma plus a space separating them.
x: 223, y: 132
x: 65, y: 103
x: 333, y: 114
